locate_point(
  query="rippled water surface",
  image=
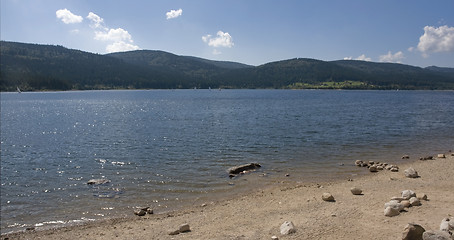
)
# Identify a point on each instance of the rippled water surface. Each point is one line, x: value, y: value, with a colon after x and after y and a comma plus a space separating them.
x: 165, y: 148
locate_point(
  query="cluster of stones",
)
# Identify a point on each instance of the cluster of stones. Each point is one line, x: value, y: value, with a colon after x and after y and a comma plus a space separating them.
x: 414, y: 231
x: 143, y: 211
x: 377, y: 166
x: 398, y: 204
x: 440, y: 155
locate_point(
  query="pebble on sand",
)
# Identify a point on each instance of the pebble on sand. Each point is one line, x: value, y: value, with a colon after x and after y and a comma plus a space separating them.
x: 391, y: 212
x: 411, y: 173
x: 181, y: 229
x: 356, y: 191
x: 327, y: 197
x: 287, y: 228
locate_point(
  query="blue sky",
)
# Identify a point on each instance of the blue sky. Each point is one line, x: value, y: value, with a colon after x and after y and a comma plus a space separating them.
x: 419, y: 33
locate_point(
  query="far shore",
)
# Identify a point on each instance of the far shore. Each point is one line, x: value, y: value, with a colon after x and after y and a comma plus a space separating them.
x: 259, y: 214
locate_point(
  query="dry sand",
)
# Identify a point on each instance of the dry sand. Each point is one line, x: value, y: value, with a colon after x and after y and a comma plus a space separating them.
x: 258, y: 215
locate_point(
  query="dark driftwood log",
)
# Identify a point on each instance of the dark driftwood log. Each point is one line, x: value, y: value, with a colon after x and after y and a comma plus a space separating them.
x: 245, y: 167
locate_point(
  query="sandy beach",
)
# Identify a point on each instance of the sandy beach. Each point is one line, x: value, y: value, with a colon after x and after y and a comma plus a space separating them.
x: 259, y: 214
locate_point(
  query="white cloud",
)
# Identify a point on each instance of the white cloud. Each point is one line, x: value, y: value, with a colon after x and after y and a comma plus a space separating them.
x: 68, y: 17
x: 121, y: 46
x: 363, y: 58
x: 120, y: 39
x: 222, y: 40
x: 96, y: 21
x: 434, y: 39
x: 115, y: 35
x: 389, y: 57
x: 174, y: 13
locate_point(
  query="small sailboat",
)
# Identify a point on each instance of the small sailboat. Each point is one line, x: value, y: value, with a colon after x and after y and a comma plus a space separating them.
x: 18, y: 90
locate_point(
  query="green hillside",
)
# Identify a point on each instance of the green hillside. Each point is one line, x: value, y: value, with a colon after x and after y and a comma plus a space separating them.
x: 33, y: 67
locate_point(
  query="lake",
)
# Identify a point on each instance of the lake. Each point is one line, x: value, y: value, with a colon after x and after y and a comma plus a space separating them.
x: 172, y: 148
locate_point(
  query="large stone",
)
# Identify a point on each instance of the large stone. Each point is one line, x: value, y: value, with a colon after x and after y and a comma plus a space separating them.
x: 287, y: 228
x: 414, y: 201
x: 413, y: 232
x: 356, y: 191
x: 411, y: 173
x: 98, y: 181
x: 436, y: 235
x: 396, y: 205
x: 447, y: 224
x: 407, y: 194
x: 327, y: 197
x: 242, y: 168
x: 406, y: 203
x: 391, y: 212
x: 441, y: 155
x: 422, y: 196
x: 184, y: 228
x: 373, y: 168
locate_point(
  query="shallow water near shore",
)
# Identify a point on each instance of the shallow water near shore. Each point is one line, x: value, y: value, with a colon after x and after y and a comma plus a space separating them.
x: 166, y: 149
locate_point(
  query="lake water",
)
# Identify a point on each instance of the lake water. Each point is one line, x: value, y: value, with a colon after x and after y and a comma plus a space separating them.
x: 167, y: 149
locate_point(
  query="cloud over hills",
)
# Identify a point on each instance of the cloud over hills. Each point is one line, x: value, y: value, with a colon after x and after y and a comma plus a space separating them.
x: 119, y: 39
x: 68, y: 17
x: 435, y: 39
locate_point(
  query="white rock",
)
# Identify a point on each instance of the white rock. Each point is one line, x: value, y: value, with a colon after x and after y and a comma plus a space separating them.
x: 441, y: 155
x: 391, y: 212
x: 287, y: 228
x: 274, y: 238
x: 327, y: 197
x: 447, y: 224
x: 398, y: 206
x: 356, y: 191
x: 411, y: 173
x: 414, y: 201
x: 407, y: 194
x: 436, y: 235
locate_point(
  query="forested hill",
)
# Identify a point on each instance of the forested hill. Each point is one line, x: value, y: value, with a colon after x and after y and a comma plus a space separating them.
x: 33, y: 67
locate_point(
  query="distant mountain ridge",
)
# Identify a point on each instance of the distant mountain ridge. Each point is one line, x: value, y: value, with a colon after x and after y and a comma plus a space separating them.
x: 34, y: 67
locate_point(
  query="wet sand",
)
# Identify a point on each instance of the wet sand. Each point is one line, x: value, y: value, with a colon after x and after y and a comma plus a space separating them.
x: 259, y: 214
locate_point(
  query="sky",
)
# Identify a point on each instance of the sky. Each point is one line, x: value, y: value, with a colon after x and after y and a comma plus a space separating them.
x: 413, y: 32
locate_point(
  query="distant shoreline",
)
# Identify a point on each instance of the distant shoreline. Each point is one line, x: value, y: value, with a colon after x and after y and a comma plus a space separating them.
x: 223, y: 89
